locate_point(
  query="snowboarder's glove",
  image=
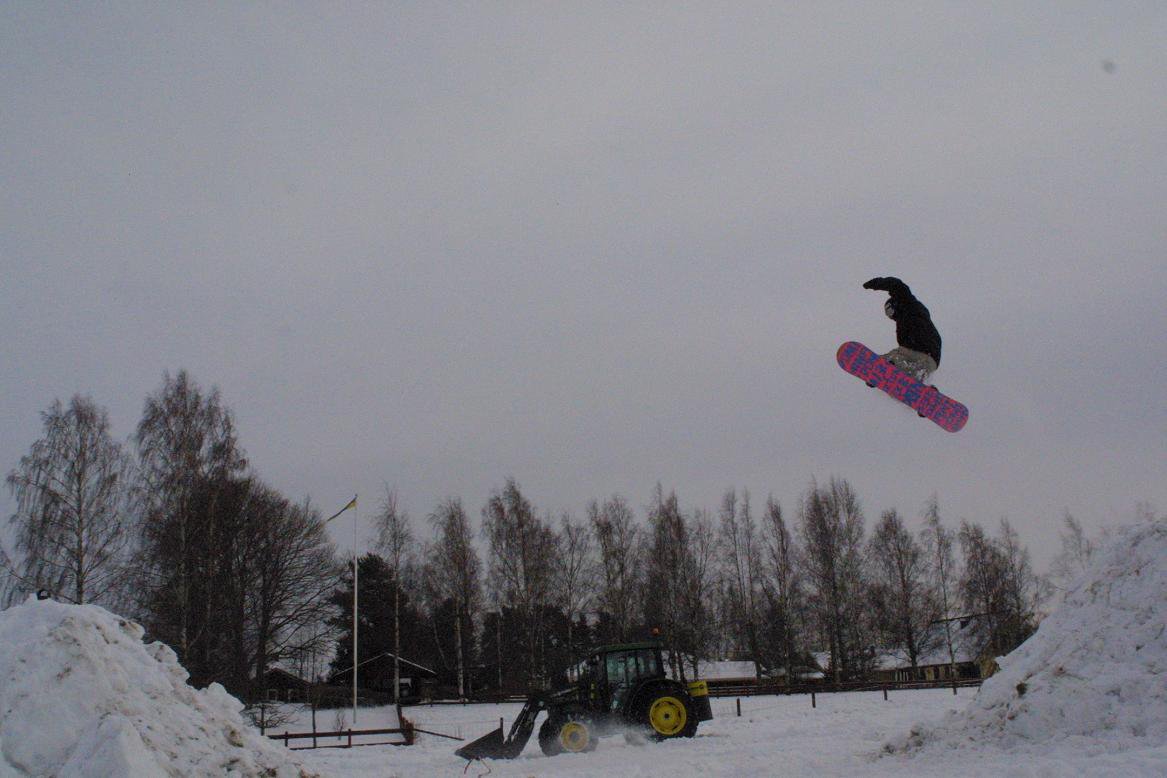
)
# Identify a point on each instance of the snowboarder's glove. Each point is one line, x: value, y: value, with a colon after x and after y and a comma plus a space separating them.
x: 889, y: 284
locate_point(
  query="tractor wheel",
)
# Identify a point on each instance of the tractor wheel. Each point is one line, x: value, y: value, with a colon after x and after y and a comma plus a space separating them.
x: 547, y: 740
x: 668, y: 715
x: 568, y: 732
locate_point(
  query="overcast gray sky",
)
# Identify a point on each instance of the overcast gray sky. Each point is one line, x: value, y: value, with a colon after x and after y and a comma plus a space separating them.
x: 596, y: 246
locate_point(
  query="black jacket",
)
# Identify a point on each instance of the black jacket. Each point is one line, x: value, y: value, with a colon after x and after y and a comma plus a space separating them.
x: 914, y: 327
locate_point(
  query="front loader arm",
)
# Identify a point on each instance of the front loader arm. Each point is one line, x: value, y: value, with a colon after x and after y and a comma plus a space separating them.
x: 493, y: 746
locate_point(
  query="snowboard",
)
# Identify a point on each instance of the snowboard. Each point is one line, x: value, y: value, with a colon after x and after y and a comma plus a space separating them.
x: 928, y: 401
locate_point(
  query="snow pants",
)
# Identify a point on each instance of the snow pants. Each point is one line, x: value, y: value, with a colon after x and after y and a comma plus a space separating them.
x: 915, y: 363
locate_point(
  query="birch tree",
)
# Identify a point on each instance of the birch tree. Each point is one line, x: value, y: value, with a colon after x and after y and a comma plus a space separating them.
x: 522, y: 558
x: 189, y: 464
x: 576, y: 571
x: 901, y: 597
x: 394, y: 542
x: 832, y: 535
x: 618, y: 538
x: 783, y: 590
x: 1075, y: 553
x: 743, y: 561
x: 71, y: 523
x: 454, y: 575
x: 938, y: 544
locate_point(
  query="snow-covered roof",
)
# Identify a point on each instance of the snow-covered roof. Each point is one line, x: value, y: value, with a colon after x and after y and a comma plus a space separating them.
x: 723, y: 669
x: 801, y: 673
x: 969, y: 637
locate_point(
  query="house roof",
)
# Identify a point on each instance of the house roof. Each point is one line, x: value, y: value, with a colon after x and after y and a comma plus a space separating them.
x: 801, y: 673
x: 726, y: 669
x: 390, y: 655
x: 969, y: 638
x: 279, y: 671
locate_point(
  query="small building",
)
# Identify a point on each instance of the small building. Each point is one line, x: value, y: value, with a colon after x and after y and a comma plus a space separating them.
x: 282, y: 686
x: 376, y: 673
x: 968, y: 659
x: 722, y: 673
x: 801, y: 674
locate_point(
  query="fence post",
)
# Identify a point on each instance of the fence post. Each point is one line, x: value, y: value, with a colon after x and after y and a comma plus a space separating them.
x: 885, y: 693
x: 739, y: 707
x: 500, y: 729
x: 812, y: 703
x: 350, y: 737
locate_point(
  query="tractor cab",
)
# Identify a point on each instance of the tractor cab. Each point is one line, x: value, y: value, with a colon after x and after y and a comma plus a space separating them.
x: 623, y: 668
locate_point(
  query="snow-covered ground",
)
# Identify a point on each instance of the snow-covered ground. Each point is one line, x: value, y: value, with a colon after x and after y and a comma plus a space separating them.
x: 82, y: 696
x: 775, y: 735
x: 843, y: 736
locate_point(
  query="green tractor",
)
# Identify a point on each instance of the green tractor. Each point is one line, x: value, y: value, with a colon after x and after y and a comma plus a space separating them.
x: 619, y: 689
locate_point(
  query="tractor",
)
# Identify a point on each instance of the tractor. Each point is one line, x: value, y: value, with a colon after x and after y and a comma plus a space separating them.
x: 617, y: 689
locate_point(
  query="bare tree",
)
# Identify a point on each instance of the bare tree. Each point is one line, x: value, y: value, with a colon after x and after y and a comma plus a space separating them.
x: 832, y: 535
x: 576, y: 572
x: 71, y: 517
x: 998, y: 585
x: 680, y: 559
x: 664, y: 552
x: 783, y: 590
x: 453, y: 574
x: 1075, y: 555
x: 522, y: 558
x: 395, y: 545
x: 1022, y: 590
x: 902, y: 600
x: 189, y: 469
x: 938, y: 545
x: 11, y: 582
x: 743, y: 562
x: 698, y: 574
x: 290, y: 569
x: 618, y: 538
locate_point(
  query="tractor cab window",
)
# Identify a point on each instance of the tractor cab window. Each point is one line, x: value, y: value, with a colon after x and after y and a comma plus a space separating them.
x: 628, y: 667
x: 625, y: 670
x: 588, y: 671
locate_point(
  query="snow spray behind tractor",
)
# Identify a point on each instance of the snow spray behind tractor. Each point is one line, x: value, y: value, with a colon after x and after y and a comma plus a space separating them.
x: 620, y: 689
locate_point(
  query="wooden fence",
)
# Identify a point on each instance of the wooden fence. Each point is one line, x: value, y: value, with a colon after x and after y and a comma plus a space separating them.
x: 759, y: 688
x: 407, y: 732
x: 764, y: 688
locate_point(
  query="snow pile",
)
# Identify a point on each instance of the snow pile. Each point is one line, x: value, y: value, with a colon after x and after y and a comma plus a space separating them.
x: 1094, y: 675
x: 82, y: 695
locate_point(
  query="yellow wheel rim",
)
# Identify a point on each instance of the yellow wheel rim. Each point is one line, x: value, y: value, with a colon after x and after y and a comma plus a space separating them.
x: 574, y: 736
x: 667, y: 715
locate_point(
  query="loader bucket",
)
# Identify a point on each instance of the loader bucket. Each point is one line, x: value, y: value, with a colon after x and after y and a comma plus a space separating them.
x: 493, y: 746
x: 489, y: 746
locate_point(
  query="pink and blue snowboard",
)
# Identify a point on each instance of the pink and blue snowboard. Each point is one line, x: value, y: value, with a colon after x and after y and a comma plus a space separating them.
x: 928, y: 401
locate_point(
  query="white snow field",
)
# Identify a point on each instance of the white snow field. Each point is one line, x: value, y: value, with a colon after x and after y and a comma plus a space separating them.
x: 82, y: 696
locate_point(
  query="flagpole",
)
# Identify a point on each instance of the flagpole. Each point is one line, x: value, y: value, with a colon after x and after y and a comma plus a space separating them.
x: 356, y: 560
x: 356, y: 588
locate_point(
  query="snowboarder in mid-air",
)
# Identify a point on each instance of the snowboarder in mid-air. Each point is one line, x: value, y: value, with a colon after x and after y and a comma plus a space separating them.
x: 918, y: 352
x: 901, y: 372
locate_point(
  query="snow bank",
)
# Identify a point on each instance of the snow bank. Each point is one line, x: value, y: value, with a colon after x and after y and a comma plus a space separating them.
x: 81, y: 695
x: 1094, y: 675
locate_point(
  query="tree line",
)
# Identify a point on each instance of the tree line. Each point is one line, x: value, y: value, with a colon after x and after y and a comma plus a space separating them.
x: 175, y: 529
